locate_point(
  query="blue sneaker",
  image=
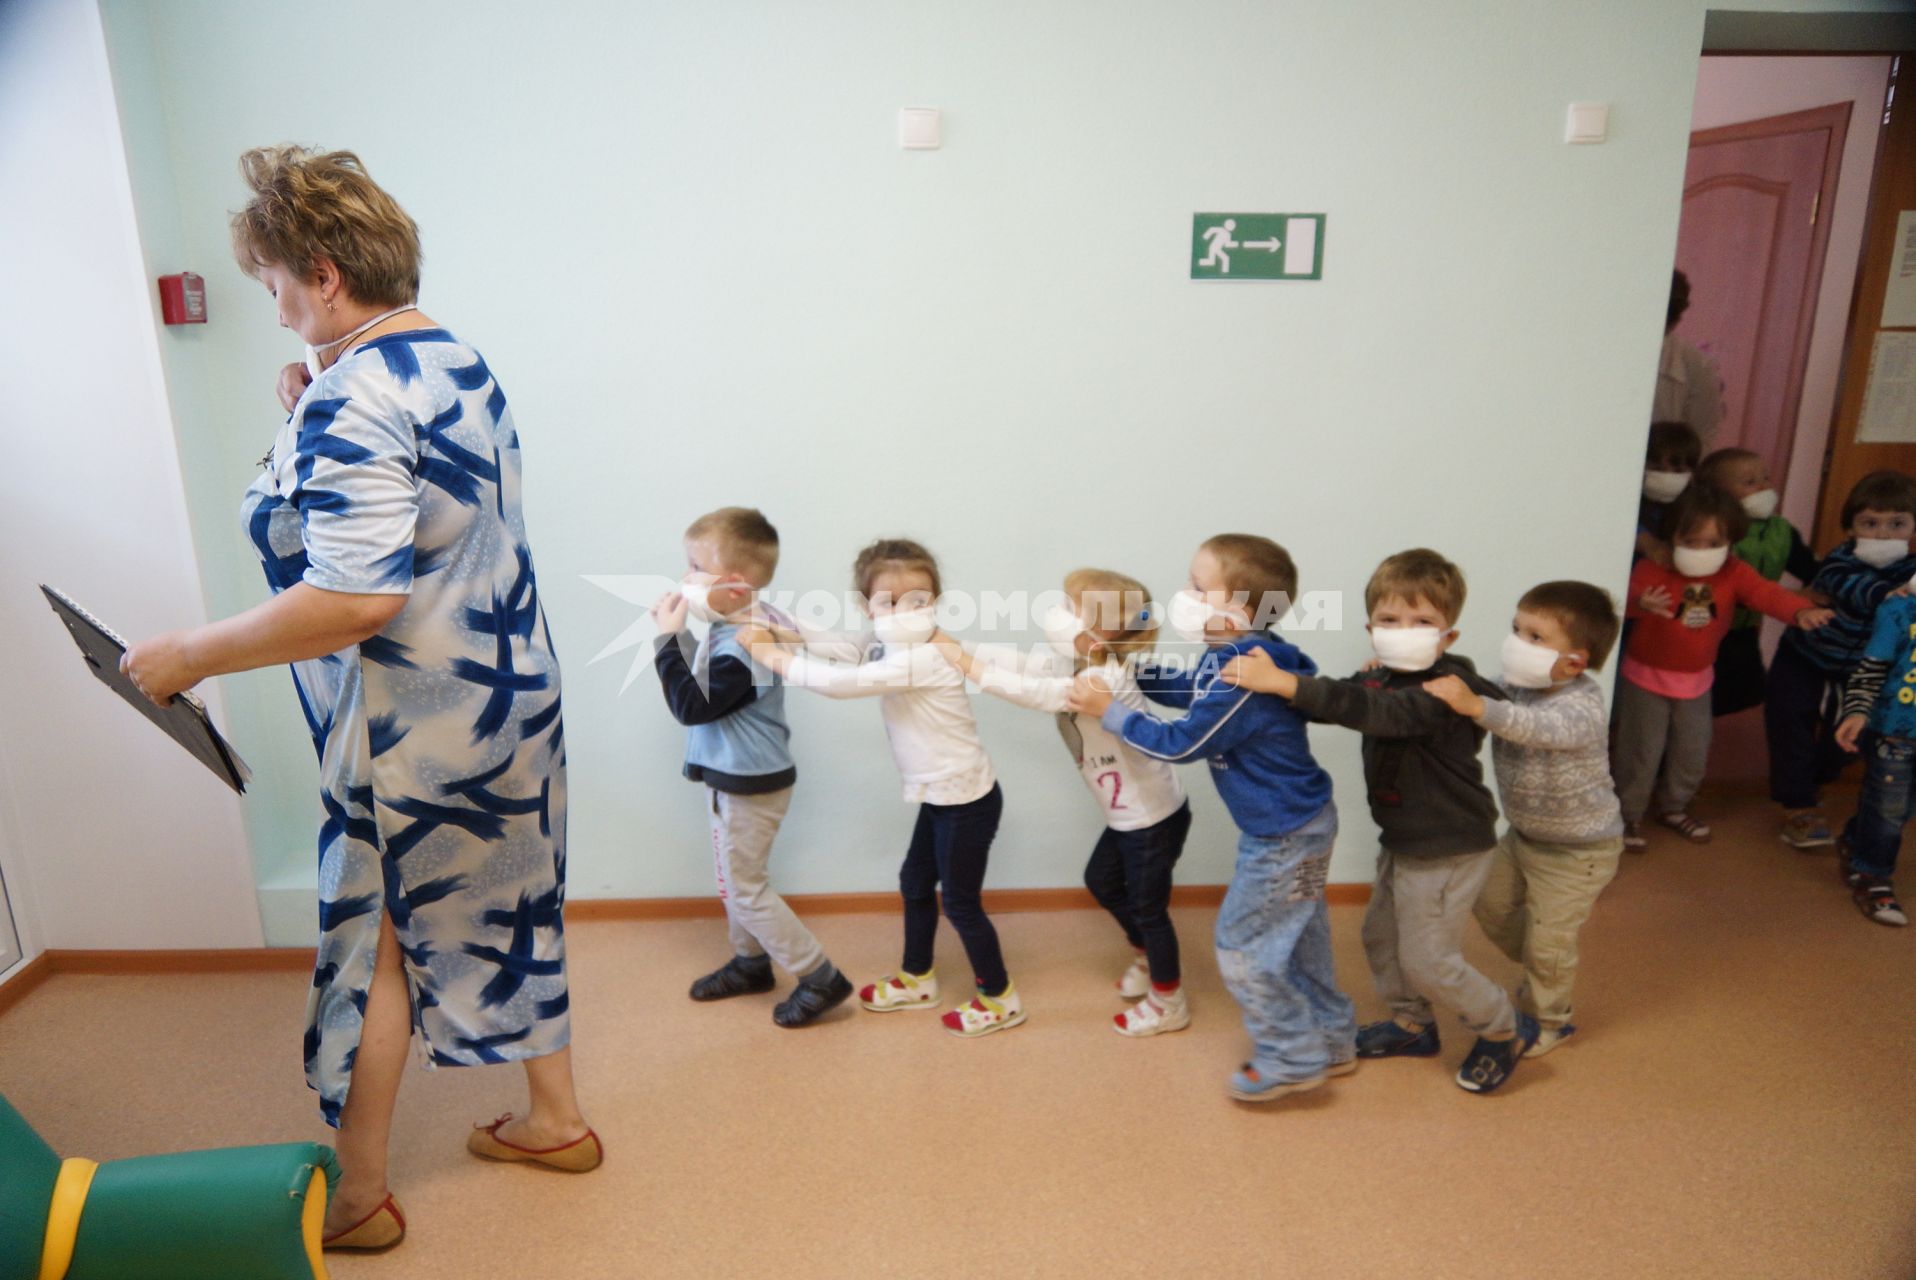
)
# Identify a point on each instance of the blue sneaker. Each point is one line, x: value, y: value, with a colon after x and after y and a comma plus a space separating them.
x: 1388, y: 1040
x: 1251, y: 1085
x: 1490, y: 1062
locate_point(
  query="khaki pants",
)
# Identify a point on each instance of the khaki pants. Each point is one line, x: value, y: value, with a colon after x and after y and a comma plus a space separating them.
x: 1533, y: 904
x: 759, y: 921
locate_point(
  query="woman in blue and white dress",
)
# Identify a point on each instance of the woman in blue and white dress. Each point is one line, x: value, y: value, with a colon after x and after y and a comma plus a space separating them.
x: 387, y: 517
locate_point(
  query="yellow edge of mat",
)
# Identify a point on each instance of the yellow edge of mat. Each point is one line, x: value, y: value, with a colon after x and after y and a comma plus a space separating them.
x: 312, y: 1220
x: 63, y: 1216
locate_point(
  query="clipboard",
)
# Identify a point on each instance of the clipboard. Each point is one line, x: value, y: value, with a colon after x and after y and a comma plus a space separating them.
x: 184, y: 719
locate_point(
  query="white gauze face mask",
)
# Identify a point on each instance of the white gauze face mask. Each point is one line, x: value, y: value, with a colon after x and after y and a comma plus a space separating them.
x: 1061, y: 630
x: 1406, y: 648
x: 1528, y: 665
x: 1881, y: 553
x: 1760, y: 505
x: 906, y: 626
x: 1189, y: 612
x: 1664, y: 486
x: 1694, y: 562
x: 698, y: 596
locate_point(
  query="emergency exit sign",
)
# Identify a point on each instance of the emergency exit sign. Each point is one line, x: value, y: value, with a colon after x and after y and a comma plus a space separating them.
x: 1257, y: 246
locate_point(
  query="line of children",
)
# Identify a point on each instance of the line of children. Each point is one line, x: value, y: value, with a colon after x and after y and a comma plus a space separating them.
x: 1422, y: 711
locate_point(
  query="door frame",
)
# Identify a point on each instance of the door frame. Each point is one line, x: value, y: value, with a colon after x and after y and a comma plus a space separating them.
x: 1892, y: 189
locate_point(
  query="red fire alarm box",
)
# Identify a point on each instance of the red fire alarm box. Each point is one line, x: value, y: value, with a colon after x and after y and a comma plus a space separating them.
x: 183, y: 299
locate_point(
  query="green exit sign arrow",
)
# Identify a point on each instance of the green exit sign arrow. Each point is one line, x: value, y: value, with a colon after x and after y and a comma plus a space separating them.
x: 1257, y: 246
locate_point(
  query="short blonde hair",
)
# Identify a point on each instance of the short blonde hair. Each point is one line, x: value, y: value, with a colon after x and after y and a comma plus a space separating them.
x: 894, y: 553
x: 1418, y: 574
x: 746, y: 541
x: 1117, y: 605
x: 1257, y: 567
x: 309, y: 205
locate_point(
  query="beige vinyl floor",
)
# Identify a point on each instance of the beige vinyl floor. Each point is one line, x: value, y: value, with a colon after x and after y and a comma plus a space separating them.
x: 1739, y: 1104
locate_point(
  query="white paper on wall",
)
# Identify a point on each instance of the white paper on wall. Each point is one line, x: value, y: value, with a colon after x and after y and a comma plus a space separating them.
x: 1899, y: 299
x: 1889, y: 399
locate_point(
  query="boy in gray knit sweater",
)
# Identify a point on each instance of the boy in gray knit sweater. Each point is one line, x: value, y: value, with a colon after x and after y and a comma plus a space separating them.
x: 1552, y: 759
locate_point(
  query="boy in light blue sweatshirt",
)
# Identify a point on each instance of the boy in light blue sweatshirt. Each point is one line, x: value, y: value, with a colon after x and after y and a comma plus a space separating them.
x: 736, y: 745
x: 1273, y: 933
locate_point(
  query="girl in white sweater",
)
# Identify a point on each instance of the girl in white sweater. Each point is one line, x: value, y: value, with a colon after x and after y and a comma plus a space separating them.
x: 1107, y: 627
x: 934, y: 741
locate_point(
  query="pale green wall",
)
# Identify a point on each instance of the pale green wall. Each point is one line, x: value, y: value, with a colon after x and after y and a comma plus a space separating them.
x: 684, y: 236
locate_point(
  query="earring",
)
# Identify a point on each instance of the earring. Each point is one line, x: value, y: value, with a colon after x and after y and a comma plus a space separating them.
x: 329, y: 304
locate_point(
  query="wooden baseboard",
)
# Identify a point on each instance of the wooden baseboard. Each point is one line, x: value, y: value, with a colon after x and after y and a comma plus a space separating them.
x: 208, y: 960
x: 835, y: 904
x: 299, y: 959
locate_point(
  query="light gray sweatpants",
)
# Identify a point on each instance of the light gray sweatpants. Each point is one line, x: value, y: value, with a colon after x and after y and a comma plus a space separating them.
x: 760, y: 922
x: 1414, y: 938
x: 1662, y: 746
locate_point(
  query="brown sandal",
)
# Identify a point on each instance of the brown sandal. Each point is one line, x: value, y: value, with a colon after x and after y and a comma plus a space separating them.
x: 383, y: 1228
x: 581, y: 1155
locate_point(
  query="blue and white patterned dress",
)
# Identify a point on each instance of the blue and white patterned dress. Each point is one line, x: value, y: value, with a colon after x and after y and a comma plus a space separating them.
x: 442, y: 753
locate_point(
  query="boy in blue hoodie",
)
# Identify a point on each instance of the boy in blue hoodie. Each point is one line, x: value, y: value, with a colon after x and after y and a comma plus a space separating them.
x: 1273, y: 933
x: 1810, y: 667
x: 736, y: 740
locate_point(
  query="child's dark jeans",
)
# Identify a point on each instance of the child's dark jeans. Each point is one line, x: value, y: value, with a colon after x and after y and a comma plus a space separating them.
x: 1876, y: 832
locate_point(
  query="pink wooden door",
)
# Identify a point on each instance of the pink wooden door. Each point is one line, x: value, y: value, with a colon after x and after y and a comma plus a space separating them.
x: 1755, y: 202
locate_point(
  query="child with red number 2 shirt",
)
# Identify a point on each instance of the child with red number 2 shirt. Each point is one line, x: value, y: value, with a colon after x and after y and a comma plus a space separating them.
x: 1682, y: 614
x: 1107, y: 627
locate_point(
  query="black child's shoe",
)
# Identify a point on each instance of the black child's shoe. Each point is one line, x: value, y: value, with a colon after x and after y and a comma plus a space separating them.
x: 1490, y: 1062
x: 812, y: 1000
x: 1388, y: 1040
x: 741, y: 976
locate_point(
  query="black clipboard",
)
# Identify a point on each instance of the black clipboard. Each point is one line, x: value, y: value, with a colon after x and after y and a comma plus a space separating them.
x: 184, y: 719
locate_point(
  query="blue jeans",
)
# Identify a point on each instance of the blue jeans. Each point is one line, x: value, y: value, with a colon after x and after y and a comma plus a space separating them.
x: 1875, y: 834
x: 1274, y: 950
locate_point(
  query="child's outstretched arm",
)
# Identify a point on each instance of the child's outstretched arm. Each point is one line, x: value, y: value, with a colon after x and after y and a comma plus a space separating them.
x: 729, y: 684
x: 1558, y: 724
x: 1860, y: 692
x: 1757, y: 591
x: 1011, y: 679
x: 1212, y: 726
x: 1379, y: 713
x: 1256, y: 670
x: 893, y: 673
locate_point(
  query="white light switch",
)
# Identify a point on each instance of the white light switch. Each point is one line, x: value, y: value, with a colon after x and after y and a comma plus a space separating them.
x: 920, y: 128
x: 1589, y: 122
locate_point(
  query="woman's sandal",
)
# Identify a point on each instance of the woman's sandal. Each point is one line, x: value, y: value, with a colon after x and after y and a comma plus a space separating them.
x: 581, y: 1155
x: 1686, y: 826
x: 383, y: 1228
